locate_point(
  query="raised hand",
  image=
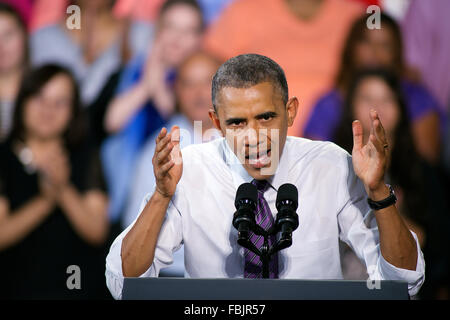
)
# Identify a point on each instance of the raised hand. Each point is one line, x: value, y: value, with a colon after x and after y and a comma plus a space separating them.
x: 370, y: 160
x: 154, y: 79
x: 167, y: 161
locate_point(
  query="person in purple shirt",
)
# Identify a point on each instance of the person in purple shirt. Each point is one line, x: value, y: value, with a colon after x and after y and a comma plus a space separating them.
x: 371, y: 48
x: 419, y: 187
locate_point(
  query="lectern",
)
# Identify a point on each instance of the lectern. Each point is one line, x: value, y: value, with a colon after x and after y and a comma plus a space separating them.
x: 261, y: 289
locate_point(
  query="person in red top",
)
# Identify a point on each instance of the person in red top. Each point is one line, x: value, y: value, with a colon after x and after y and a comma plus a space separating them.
x: 305, y: 37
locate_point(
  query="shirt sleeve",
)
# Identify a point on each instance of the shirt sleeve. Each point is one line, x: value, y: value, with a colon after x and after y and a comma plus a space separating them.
x: 358, y: 229
x: 169, y: 240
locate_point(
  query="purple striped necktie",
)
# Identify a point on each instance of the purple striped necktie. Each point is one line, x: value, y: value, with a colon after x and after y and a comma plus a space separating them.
x: 264, y: 218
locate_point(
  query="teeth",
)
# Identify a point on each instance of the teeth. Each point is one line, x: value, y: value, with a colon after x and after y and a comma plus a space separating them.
x: 256, y: 156
x: 264, y: 159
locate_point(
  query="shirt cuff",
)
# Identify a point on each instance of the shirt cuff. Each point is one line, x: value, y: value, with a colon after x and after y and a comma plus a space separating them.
x: 114, y: 273
x: 415, y: 278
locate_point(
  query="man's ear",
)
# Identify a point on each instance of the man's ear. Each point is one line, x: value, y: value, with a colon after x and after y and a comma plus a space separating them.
x: 291, y: 109
x: 215, y: 119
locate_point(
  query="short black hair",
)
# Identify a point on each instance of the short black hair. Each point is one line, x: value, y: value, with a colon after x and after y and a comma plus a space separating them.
x: 247, y: 70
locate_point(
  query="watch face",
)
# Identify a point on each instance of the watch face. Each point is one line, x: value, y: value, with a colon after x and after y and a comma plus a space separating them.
x: 391, y: 189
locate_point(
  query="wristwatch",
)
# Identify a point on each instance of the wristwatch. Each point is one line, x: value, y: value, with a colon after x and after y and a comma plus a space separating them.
x: 390, y: 200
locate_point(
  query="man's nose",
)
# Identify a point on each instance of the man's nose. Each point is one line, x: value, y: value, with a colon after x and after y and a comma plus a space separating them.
x: 251, y: 137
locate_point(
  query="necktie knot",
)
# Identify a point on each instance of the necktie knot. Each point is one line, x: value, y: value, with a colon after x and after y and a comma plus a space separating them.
x: 261, y: 185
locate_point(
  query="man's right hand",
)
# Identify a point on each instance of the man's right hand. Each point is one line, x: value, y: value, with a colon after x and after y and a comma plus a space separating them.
x: 138, y: 246
x: 167, y: 161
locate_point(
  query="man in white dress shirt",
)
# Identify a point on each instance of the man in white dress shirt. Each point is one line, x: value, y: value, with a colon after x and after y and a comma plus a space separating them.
x: 193, y: 201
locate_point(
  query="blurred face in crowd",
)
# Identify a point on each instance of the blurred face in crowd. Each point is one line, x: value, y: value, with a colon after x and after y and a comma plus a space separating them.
x: 254, y: 121
x: 376, y: 49
x: 12, y: 43
x: 47, y: 114
x: 374, y: 93
x: 180, y: 33
x: 193, y: 87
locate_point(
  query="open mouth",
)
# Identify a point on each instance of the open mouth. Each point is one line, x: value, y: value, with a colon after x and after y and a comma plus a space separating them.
x: 259, y: 160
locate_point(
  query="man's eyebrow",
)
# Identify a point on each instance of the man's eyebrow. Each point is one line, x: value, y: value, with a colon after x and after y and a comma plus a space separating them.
x: 234, y: 120
x: 266, y: 114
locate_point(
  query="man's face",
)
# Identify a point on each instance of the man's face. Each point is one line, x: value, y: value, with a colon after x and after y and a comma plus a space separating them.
x: 193, y: 87
x: 254, y: 121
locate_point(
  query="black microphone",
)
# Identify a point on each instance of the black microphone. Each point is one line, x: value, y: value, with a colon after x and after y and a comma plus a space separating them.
x: 287, y: 218
x: 244, y: 217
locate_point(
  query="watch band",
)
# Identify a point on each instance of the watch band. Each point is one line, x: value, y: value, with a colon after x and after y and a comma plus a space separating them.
x: 390, y: 200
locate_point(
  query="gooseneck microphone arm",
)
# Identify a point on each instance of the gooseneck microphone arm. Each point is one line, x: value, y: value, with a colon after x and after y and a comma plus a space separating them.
x: 286, y: 221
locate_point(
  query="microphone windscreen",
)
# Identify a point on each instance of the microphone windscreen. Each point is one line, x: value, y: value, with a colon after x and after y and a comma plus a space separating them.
x: 287, y: 192
x: 246, y: 191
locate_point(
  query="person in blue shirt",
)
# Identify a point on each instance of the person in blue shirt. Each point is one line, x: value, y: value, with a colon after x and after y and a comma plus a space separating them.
x: 193, y: 96
x: 145, y: 99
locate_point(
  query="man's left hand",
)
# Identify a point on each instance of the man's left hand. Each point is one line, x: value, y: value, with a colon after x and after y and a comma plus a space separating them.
x: 370, y: 160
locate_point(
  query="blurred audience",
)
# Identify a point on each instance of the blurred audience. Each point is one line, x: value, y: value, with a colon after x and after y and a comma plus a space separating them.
x: 426, y: 30
x: 304, y: 36
x: 145, y: 100
x: 427, y: 48
x: 178, y: 35
x: 93, y: 52
x: 23, y: 7
x: 193, y: 96
x: 379, y: 47
x: 52, y: 199
x: 147, y: 10
x: 418, y: 186
x: 13, y: 62
x: 45, y: 12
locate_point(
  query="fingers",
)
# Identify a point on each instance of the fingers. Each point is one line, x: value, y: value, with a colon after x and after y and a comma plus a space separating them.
x: 176, y: 153
x: 163, y: 143
x: 163, y: 155
x: 357, y: 135
x: 166, y: 167
x: 377, y: 135
x: 377, y: 127
x: 175, y: 132
x: 161, y: 135
x: 166, y: 143
x: 376, y: 143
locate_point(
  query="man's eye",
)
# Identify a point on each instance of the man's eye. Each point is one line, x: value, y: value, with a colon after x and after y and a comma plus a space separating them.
x: 236, y: 123
x: 267, y: 117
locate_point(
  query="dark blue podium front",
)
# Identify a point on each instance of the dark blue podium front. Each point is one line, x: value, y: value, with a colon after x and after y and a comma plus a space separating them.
x: 261, y: 289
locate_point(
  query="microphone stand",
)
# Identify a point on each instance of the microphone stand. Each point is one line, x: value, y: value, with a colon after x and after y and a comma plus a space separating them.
x: 266, y: 251
x: 286, y: 222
